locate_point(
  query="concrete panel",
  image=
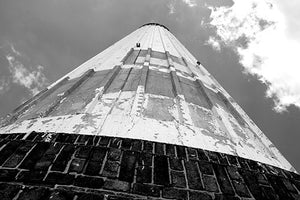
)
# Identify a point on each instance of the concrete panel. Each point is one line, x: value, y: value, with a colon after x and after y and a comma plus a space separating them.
x: 159, y: 83
x: 123, y: 105
x: 202, y: 118
x: 215, y: 99
x: 133, y: 80
x: 43, y: 105
x: 132, y: 57
x: 192, y: 93
x: 143, y: 53
x: 177, y: 60
x: 158, y: 62
x: 118, y: 82
x: 182, y: 68
x: 76, y: 102
x: 140, y: 60
x: 141, y: 57
x: 159, y: 108
x: 159, y: 55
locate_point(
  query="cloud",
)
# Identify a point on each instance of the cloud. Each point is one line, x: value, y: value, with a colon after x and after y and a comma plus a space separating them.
x: 26, y: 75
x: 14, y: 50
x: 172, y: 5
x: 4, y: 85
x: 212, y: 41
x: 262, y: 37
x: 33, y: 80
x: 190, y: 3
x: 171, y: 8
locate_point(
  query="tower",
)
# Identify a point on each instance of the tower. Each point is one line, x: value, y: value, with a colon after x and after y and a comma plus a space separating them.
x: 142, y: 119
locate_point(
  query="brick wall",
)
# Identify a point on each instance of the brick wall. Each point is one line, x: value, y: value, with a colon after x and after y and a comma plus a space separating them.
x: 68, y: 166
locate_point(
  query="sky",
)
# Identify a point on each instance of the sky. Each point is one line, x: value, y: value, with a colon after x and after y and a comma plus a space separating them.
x: 251, y: 47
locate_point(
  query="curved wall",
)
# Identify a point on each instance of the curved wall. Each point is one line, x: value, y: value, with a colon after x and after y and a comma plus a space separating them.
x: 146, y: 86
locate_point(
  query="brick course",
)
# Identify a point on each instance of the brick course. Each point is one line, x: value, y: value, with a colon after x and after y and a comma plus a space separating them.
x: 96, y: 167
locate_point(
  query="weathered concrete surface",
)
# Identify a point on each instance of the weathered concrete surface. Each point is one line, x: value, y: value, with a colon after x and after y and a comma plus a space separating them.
x: 158, y: 108
x: 155, y: 92
x: 159, y: 83
x: 42, y: 106
x: 78, y: 100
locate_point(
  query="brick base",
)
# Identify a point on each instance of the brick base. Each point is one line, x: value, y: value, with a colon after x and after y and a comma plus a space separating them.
x: 68, y: 166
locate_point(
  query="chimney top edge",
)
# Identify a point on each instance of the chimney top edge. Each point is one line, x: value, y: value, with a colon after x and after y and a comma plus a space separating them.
x: 155, y: 24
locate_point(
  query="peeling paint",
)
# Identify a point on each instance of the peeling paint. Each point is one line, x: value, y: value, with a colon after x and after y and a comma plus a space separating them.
x: 202, y: 117
x: 46, y: 121
x: 86, y: 120
x: 158, y: 108
x: 140, y: 102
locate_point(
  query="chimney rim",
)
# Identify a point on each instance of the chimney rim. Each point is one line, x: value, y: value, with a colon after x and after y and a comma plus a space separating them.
x: 155, y: 24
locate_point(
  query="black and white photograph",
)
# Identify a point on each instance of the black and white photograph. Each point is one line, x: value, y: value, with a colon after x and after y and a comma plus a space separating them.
x: 149, y: 100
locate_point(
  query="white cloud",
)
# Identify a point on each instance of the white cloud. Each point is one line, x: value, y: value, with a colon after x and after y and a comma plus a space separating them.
x: 261, y: 35
x: 171, y: 8
x: 14, y: 50
x: 33, y: 80
x: 190, y: 3
x: 4, y: 85
x: 172, y: 5
x: 27, y: 75
x: 214, y: 43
